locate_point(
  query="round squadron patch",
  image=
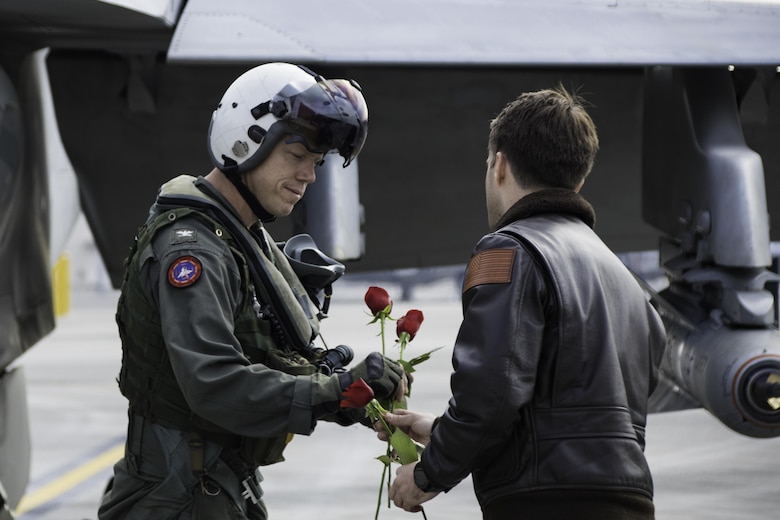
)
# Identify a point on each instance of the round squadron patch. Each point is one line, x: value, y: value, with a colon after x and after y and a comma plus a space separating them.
x: 185, y: 271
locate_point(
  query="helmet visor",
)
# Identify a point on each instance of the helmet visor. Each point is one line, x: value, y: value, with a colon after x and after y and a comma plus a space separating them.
x: 331, y: 115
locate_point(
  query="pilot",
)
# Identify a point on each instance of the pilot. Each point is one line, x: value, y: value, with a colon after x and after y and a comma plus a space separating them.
x: 218, y: 358
x: 558, y: 350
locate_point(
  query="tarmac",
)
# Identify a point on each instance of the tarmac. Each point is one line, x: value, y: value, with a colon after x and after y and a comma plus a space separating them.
x: 702, y: 470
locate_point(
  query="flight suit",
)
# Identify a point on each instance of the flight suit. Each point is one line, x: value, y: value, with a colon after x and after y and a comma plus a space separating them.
x: 214, y: 390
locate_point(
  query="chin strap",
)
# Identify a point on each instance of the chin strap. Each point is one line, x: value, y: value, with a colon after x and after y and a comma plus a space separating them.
x: 231, y: 172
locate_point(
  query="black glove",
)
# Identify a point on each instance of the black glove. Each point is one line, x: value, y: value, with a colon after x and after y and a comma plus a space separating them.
x: 383, y: 375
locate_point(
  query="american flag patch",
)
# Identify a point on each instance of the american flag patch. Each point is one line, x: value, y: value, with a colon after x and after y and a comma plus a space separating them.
x: 491, y: 266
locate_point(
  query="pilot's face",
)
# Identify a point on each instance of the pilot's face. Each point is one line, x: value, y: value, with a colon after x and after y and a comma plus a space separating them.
x: 280, y: 181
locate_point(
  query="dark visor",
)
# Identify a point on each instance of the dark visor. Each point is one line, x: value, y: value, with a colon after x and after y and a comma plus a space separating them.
x: 332, y: 115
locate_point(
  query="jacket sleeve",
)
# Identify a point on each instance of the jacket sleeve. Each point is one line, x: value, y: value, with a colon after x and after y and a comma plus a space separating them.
x: 217, y: 380
x: 495, y: 360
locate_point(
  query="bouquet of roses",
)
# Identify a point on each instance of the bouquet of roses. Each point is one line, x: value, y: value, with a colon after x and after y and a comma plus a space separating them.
x: 400, y: 448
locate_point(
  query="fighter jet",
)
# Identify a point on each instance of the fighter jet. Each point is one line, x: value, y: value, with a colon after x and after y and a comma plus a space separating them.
x: 102, y: 101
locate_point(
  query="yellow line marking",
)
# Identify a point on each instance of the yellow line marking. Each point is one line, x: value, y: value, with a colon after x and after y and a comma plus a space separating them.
x: 70, y: 479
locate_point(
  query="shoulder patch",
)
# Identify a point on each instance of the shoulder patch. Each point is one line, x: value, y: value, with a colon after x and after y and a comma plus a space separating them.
x: 184, y: 235
x: 491, y: 266
x: 185, y: 271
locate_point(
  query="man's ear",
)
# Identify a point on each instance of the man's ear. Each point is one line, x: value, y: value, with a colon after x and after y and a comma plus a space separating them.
x: 502, y: 169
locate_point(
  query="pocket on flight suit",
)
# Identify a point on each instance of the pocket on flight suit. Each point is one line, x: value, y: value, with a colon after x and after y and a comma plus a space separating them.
x: 159, y: 485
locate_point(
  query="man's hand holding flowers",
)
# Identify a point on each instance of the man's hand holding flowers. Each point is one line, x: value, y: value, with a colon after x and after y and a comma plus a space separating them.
x: 418, y: 426
x: 404, y: 492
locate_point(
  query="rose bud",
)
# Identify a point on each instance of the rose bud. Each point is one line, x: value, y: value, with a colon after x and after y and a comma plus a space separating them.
x: 410, y: 323
x: 378, y: 300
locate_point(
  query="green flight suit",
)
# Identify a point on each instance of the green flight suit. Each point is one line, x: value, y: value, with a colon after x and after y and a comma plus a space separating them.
x: 196, y: 357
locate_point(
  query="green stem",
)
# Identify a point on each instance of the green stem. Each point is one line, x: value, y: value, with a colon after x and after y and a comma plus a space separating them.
x: 403, y: 341
x: 381, y: 487
x: 389, y: 475
x: 377, y: 410
x: 382, y: 328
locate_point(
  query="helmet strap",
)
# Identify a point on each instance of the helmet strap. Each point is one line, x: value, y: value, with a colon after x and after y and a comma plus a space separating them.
x: 231, y: 172
x: 328, y: 292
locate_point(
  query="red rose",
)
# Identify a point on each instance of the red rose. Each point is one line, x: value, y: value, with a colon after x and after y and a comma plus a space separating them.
x: 410, y: 323
x: 357, y: 395
x: 378, y: 300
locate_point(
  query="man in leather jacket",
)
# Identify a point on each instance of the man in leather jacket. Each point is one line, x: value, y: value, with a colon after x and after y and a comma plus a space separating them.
x: 558, y: 350
x: 217, y: 331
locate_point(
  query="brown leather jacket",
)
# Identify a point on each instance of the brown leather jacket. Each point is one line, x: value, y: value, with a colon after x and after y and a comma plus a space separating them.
x: 555, y: 359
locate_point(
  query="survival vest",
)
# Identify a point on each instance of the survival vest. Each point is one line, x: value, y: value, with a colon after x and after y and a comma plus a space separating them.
x: 275, y: 325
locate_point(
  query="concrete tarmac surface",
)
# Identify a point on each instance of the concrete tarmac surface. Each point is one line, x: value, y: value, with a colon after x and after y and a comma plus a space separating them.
x: 702, y: 470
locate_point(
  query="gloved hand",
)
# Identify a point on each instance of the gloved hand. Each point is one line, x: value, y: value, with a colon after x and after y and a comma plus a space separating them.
x: 383, y: 375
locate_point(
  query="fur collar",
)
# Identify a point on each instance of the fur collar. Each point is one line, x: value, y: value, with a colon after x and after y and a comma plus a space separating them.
x: 554, y: 200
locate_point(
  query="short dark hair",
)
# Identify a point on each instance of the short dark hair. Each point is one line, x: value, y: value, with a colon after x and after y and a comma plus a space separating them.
x: 547, y: 137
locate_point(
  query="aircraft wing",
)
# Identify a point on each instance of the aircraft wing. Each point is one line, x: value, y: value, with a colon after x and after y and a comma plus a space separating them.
x: 480, y: 32
x: 98, y: 24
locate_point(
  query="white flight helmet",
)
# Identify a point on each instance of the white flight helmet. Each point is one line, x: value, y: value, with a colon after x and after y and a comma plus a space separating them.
x: 275, y: 100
